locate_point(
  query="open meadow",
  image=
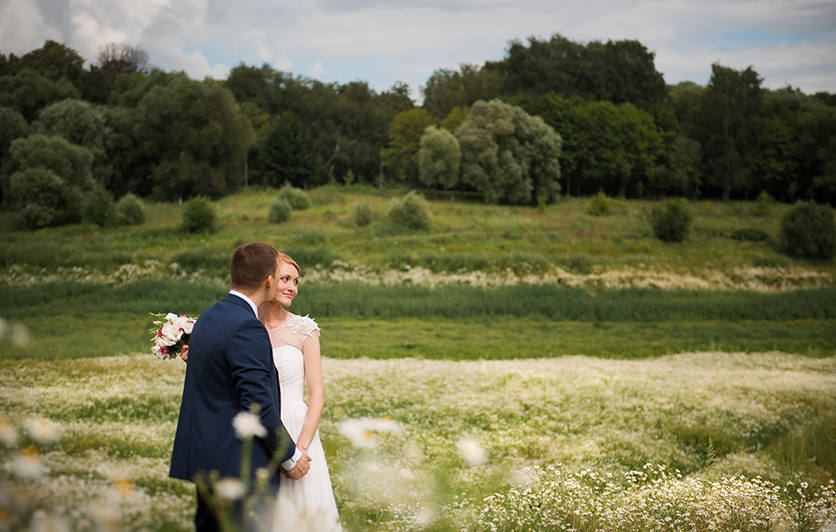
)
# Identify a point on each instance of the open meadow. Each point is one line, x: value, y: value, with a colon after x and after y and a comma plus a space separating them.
x: 510, y: 368
x: 671, y: 443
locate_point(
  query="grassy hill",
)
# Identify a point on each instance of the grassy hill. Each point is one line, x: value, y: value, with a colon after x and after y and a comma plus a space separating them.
x: 476, y: 267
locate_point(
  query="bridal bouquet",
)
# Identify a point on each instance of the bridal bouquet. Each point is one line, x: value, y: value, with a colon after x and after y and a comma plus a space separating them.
x: 171, y: 332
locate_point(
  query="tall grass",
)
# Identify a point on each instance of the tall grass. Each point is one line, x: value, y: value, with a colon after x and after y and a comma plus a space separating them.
x: 494, y: 338
x: 455, y: 301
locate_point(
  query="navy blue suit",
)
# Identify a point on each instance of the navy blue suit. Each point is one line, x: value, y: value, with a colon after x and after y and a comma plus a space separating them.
x: 230, y: 367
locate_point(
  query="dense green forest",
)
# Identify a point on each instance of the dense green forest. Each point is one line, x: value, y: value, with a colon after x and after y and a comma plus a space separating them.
x: 72, y: 132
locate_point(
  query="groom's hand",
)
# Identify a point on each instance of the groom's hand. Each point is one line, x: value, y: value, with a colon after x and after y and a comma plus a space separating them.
x: 184, y: 353
x: 301, y: 468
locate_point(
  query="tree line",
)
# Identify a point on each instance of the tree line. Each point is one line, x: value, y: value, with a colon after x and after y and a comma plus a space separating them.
x: 120, y: 126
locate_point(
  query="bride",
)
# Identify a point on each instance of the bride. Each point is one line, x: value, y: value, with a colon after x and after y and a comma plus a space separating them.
x: 306, y: 504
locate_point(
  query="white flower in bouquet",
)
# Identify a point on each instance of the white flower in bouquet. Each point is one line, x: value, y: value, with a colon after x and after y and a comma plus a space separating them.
x: 185, y: 324
x: 171, y: 333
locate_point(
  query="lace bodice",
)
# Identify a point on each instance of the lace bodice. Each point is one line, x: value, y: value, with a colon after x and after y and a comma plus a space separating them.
x: 287, y: 340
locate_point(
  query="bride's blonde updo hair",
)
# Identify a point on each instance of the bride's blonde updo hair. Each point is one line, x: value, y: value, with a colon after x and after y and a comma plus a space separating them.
x: 284, y: 258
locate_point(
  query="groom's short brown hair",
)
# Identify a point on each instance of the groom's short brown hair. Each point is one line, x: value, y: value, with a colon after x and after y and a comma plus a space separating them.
x: 251, y: 264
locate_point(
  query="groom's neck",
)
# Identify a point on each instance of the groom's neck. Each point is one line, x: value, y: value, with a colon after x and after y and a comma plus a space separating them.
x: 256, y: 296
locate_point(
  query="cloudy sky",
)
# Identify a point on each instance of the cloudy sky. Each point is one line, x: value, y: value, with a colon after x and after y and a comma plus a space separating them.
x: 786, y: 41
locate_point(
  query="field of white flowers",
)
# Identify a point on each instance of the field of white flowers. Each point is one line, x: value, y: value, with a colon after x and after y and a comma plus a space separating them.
x: 571, y: 443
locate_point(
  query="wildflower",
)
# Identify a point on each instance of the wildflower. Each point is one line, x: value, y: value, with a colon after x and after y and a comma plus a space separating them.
x: 42, y: 430
x: 28, y: 465
x: 472, y: 452
x: 20, y: 334
x: 230, y: 489
x: 248, y: 425
x: 361, y: 431
x: 8, y: 435
x: 41, y: 522
x: 124, y: 486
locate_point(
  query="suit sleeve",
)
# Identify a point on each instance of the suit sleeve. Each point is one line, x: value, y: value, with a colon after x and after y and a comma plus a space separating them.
x: 251, y: 365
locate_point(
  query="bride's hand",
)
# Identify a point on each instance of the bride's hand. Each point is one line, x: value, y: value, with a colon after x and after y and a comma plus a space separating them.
x: 184, y: 353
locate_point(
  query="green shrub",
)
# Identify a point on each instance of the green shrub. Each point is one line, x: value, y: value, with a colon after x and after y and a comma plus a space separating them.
x: 410, y: 211
x: 280, y: 211
x: 672, y: 222
x: 199, y: 216
x: 363, y: 214
x: 808, y: 230
x: 764, y: 203
x: 129, y: 211
x: 97, y: 207
x: 600, y: 204
x: 750, y: 234
x: 298, y: 199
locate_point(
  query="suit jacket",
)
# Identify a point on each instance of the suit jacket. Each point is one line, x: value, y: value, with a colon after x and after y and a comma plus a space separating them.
x: 230, y: 367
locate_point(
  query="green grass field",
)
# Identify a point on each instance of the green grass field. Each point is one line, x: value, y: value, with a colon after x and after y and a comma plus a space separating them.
x: 545, y: 343
x: 463, y: 234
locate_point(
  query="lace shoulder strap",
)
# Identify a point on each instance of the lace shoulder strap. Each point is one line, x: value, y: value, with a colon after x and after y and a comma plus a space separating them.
x: 304, y: 325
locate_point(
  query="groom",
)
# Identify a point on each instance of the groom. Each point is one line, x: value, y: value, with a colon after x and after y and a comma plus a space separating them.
x: 230, y: 369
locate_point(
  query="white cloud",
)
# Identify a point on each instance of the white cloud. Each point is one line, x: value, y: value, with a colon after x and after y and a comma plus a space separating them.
x: 172, y: 51
x: 22, y: 27
x: 317, y: 69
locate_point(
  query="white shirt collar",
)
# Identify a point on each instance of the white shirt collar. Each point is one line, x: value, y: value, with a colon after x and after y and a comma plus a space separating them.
x: 248, y: 300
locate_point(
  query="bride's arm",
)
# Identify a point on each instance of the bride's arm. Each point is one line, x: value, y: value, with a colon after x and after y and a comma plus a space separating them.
x: 316, y: 394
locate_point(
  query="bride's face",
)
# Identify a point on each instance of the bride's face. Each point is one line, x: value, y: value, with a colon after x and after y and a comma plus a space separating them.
x: 286, y: 286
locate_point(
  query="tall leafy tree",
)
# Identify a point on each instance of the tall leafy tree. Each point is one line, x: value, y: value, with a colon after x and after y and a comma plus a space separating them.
x: 194, y: 137
x: 616, y: 71
x: 592, y: 156
x: 14, y: 127
x: 81, y: 123
x: 730, y: 127
x: 287, y: 155
x: 29, y: 92
x: 49, y: 181
x: 447, y: 89
x: 641, y: 144
x: 401, y: 154
x: 508, y: 155
x: 438, y: 158
x: 122, y: 58
x: 54, y: 61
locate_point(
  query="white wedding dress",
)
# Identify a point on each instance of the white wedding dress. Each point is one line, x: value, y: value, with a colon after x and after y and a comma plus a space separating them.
x: 306, y: 504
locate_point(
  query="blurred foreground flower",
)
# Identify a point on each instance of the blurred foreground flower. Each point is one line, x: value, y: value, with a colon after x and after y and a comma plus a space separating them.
x: 17, y: 332
x: 8, y: 435
x: 42, y: 430
x: 230, y: 489
x: 472, y: 452
x: 361, y: 431
x: 248, y: 425
x: 41, y: 522
x: 27, y: 465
